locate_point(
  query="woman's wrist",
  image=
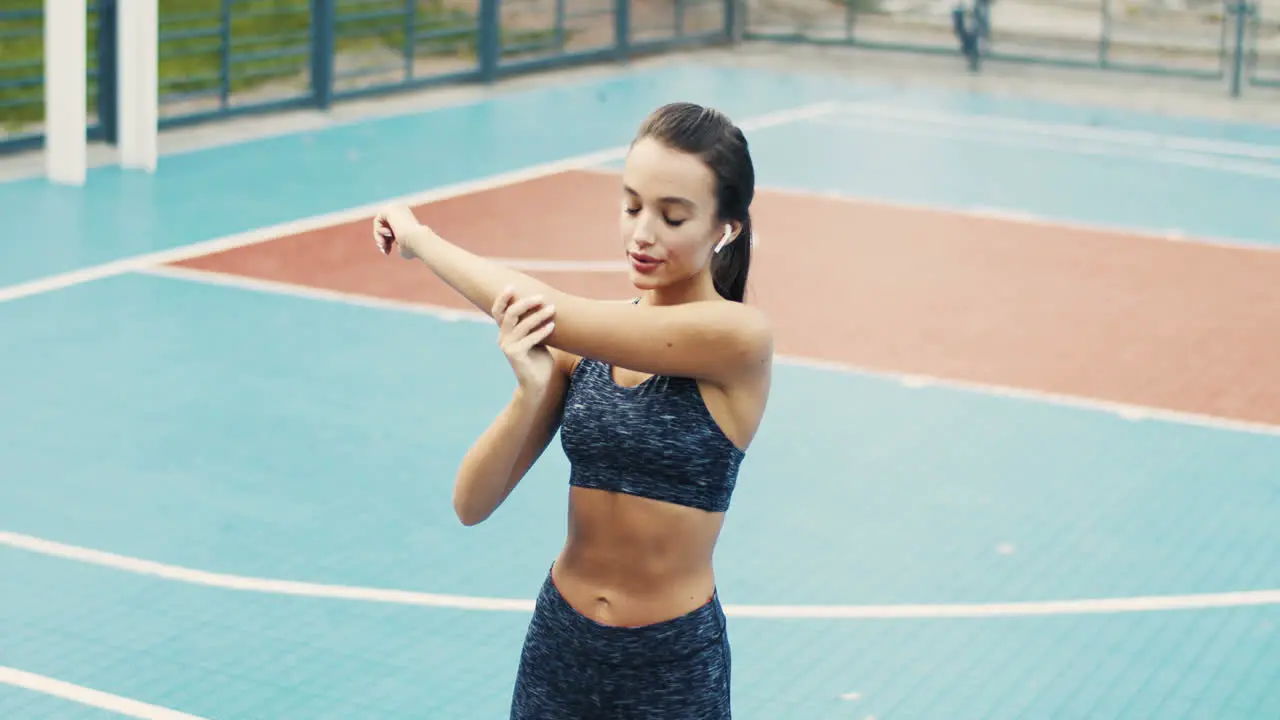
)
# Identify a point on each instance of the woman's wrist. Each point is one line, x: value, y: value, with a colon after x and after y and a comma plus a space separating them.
x: 419, y: 238
x: 528, y: 398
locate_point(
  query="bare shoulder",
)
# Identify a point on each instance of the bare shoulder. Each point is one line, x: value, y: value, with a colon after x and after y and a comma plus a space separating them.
x: 722, y: 340
x: 745, y: 326
x: 757, y: 337
x: 748, y: 319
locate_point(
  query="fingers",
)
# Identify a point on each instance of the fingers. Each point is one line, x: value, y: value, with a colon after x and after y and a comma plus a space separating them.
x: 532, y: 330
x: 500, y: 304
x: 533, y: 321
x: 536, y: 337
x: 383, y: 235
x: 517, y: 310
x: 524, y: 322
x: 394, y: 226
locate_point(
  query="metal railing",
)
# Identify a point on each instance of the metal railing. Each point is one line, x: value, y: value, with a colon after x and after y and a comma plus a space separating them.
x: 22, y: 73
x: 220, y: 58
x: 1223, y: 40
x: 226, y: 57
x: 1261, y: 41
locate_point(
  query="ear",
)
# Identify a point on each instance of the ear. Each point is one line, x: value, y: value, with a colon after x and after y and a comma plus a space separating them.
x: 731, y: 230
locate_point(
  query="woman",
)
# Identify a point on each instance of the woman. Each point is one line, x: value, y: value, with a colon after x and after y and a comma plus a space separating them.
x: 656, y: 401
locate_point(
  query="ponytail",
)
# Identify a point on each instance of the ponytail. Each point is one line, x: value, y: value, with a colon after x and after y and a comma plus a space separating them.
x: 730, y: 266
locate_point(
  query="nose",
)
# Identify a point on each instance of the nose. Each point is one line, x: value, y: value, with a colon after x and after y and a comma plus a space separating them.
x: 642, y: 230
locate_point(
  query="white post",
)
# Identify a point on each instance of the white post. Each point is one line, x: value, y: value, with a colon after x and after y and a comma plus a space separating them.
x: 65, y: 91
x: 138, y: 57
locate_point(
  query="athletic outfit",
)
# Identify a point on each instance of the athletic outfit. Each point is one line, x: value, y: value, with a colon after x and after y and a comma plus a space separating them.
x: 656, y: 440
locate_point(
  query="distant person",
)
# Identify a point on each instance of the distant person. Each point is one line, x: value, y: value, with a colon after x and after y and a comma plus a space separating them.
x: 973, y: 29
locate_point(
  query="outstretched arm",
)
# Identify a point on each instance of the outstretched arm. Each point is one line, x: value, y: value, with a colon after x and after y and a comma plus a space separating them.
x: 711, y: 340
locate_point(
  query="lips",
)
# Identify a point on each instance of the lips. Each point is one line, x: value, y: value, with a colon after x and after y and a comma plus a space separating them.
x: 643, y: 263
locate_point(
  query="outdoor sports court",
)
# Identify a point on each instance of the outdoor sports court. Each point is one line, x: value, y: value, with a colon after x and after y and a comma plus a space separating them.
x: 1021, y: 460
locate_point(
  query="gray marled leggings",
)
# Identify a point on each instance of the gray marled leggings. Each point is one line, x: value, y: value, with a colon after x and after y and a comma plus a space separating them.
x: 574, y: 668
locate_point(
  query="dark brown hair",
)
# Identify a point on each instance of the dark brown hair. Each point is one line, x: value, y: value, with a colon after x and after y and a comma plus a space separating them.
x: 713, y: 138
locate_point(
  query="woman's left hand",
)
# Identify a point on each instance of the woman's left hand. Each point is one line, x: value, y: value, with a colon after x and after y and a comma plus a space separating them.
x: 396, y: 225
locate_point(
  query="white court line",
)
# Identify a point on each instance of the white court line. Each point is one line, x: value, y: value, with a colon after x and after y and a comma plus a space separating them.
x: 562, y: 266
x: 1202, y: 161
x: 1117, y: 136
x: 1020, y: 217
x: 1123, y: 410
x: 260, y: 235
x: 89, y: 696
x: 242, y: 282
x: 226, y: 581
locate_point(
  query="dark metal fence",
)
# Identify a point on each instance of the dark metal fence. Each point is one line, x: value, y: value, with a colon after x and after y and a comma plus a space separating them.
x: 1262, y: 45
x: 1226, y: 40
x: 226, y: 57
x: 22, y: 72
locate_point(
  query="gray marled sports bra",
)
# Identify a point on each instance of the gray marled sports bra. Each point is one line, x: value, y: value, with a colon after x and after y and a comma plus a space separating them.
x: 656, y: 440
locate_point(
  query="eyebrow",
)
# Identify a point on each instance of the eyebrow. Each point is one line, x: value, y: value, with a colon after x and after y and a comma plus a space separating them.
x: 670, y: 199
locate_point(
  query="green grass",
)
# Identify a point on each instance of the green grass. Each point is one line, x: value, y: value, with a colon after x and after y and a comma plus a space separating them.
x: 22, y: 62
x: 269, y: 40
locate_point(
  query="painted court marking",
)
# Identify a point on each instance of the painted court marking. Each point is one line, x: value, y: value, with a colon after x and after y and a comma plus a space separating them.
x: 316, y: 222
x: 146, y: 264
x: 227, y: 581
x: 983, y: 212
x: 1124, y: 410
x: 89, y: 696
x: 962, y: 131
x: 1116, y: 136
x: 125, y: 706
x: 563, y: 266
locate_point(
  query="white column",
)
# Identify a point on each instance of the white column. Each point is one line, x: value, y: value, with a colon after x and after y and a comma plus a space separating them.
x: 65, y: 91
x: 138, y: 57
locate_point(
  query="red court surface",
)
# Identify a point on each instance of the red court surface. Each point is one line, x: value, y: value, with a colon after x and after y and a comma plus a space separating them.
x: 1181, y: 326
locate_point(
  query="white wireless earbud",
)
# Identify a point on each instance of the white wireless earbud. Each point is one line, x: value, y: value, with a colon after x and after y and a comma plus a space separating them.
x: 728, y: 235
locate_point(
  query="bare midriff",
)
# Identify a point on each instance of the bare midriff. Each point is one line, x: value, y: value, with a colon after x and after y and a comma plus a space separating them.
x: 630, y: 561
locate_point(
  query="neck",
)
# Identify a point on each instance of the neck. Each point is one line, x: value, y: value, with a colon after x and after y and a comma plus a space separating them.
x: 696, y: 289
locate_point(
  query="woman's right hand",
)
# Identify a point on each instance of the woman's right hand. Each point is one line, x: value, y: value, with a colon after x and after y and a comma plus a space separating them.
x: 522, y: 326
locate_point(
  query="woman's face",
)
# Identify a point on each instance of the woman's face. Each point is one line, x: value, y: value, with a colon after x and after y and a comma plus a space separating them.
x: 668, y: 219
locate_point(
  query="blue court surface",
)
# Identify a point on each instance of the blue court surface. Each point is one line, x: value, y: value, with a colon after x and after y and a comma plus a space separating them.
x: 235, y: 503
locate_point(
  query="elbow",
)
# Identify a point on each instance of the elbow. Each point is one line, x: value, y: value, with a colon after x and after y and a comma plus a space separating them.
x: 469, y: 519
x: 467, y: 513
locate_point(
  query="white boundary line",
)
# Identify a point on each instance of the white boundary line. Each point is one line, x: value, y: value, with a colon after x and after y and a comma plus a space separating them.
x: 252, y: 237
x: 240, y: 282
x: 1126, y: 411
x: 563, y: 266
x: 1117, y: 136
x: 1200, y: 161
x: 994, y: 213
x: 89, y: 696
x: 269, y: 586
